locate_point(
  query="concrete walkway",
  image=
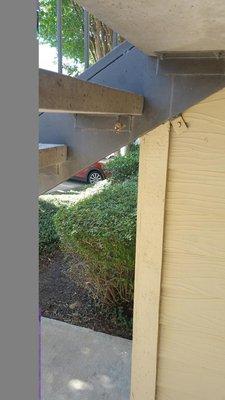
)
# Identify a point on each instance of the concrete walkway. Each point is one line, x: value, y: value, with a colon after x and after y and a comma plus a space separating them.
x: 80, y: 364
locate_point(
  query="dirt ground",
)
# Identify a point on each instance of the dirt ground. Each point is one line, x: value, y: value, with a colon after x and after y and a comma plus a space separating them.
x: 64, y: 295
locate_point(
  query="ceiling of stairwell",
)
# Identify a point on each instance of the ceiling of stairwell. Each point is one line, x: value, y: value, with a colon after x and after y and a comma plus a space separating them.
x: 165, y: 25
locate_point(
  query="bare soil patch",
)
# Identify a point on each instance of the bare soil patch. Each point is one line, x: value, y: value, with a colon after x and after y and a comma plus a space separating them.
x: 64, y: 295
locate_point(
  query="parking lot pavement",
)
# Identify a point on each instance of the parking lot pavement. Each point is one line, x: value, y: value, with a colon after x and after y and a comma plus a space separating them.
x: 67, y: 186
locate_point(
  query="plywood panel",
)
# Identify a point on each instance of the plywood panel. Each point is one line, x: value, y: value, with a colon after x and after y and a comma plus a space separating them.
x: 191, y: 358
x: 150, y: 225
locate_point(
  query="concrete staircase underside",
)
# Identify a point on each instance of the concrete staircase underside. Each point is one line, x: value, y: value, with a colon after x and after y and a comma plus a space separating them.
x: 164, y: 26
x: 169, y: 86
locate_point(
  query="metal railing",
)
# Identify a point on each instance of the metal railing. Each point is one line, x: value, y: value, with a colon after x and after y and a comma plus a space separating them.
x: 86, y: 35
x: 59, y: 34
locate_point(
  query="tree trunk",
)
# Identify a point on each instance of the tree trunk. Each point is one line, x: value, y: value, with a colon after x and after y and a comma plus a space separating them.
x: 101, y: 37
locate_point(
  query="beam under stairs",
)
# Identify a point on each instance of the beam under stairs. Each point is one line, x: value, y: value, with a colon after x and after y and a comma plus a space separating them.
x: 60, y: 93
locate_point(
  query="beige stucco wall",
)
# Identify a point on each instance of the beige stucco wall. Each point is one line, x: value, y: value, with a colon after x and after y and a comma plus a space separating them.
x: 188, y: 362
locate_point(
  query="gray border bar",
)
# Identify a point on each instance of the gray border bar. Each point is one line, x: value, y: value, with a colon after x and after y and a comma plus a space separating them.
x: 18, y: 201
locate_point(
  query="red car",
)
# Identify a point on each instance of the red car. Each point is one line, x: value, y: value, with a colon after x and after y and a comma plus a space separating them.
x: 92, y: 174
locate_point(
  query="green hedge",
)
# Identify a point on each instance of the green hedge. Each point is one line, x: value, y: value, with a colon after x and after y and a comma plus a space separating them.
x: 102, y: 230
x: 48, y: 237
x: 124, y: 167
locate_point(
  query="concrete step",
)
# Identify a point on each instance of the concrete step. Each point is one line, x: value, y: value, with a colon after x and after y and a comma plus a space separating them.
x: 81, y: 364
x: 51, y: 154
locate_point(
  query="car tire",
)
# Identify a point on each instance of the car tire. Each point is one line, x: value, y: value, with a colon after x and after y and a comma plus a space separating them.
x: 94, y: 177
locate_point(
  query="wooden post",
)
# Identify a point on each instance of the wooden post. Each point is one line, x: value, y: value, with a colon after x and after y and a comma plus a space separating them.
x: 149, y: 247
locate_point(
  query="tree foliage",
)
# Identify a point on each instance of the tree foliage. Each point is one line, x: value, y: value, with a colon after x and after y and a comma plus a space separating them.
x: 48, y: 236
x: 101, y: 36
x: 125, y: 167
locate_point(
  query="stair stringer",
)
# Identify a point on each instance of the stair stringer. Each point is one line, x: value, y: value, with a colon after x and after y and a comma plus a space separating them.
x: 169, y: 85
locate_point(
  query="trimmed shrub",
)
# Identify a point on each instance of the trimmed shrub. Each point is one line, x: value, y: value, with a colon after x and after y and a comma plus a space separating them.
x: 48, y: 237
x: 124, y: 167
x: 102, y: 230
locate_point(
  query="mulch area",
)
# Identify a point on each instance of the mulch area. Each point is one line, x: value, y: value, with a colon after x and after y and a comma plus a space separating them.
x: 64, y: 295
